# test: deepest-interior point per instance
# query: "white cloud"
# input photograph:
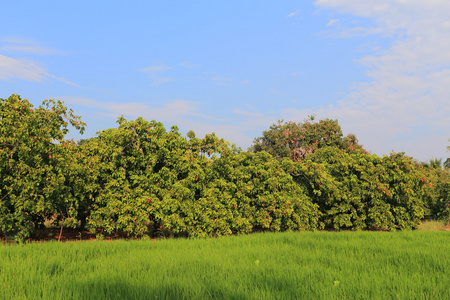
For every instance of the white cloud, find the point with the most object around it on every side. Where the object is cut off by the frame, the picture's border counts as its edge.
(292, 14)
(21, 68)
(169, 111)
(247, 113)
(219, 80)
(185, 114)
(21, 45)
(24, 68)
(154, 69)
(62, 79)
(189, 65)
(332, 22)
(407, 100)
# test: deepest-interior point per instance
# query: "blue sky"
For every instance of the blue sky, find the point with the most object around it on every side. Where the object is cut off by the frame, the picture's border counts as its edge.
(381, 67)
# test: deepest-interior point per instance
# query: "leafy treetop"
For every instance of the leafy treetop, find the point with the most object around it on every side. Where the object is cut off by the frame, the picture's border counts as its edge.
(297, 140)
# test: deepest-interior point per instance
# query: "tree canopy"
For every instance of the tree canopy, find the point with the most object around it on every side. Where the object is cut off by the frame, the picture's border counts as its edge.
(32, 148)
(297, 140)
(143, 180)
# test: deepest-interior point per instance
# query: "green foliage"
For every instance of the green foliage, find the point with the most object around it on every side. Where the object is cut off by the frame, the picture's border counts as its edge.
(153, 181)
(436, 192)
(141, 179)
(32, 148)
(447, 162)
(359, 191)
(434, 163)
(297, 140)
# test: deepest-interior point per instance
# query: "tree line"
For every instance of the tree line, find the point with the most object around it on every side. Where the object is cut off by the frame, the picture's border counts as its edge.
(144, 180)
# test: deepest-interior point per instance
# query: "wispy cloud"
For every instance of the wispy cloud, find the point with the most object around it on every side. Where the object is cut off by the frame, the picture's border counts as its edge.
(155, 69)
(189, 65)
(11, 68)
(187, 115)
(247, 113)
(167, 111)
(22, 45)
(332, 22)
(292, 14)
(406, 100)
(219, 80)
(62, 79)
(24, 68)
(154, 73)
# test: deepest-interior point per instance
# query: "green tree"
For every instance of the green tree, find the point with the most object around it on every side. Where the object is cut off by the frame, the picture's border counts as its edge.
(153, 181)
(447, 162)
(31, 146)
(360, 191)
(433, 163)
(436, 191)
(297, 140)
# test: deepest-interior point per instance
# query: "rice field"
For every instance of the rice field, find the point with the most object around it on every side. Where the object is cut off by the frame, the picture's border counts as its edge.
(310, 265)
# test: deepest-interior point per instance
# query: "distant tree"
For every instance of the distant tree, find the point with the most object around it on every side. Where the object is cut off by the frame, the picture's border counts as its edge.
(447, 162)
(433, 163)
(297, 140)
(82, 142)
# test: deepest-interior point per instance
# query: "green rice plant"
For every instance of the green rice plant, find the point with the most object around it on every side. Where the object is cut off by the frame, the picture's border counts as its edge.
(311, 265)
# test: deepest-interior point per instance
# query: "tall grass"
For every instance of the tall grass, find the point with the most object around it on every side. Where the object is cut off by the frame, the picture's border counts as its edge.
(313, 265)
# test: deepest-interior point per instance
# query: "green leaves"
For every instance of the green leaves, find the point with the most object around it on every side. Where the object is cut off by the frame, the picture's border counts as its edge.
(32, 153)
(360, 191)
(141, 179)
(297, 140)
(196, 187)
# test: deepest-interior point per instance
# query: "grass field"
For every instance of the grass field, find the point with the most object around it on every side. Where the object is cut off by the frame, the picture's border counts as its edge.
(311, 265)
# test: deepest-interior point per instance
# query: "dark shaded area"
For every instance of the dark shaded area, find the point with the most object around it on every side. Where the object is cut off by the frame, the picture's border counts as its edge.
(68, 235)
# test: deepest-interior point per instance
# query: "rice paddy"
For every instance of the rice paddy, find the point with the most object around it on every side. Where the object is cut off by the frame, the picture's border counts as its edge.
(310, 265)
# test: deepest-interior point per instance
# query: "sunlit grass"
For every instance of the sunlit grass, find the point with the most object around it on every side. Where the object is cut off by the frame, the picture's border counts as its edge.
(313, 265)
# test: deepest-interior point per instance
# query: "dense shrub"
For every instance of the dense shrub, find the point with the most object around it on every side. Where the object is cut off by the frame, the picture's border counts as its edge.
(141, 179)
(360, 191)
(153, 181)
(32, 179)
(436, 192)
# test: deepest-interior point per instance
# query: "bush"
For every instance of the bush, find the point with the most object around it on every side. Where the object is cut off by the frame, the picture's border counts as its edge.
(359, 191)
(155, 182)
(32, 181)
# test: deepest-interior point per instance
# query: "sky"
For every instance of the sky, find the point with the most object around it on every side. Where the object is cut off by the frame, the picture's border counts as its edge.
(380, 67)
